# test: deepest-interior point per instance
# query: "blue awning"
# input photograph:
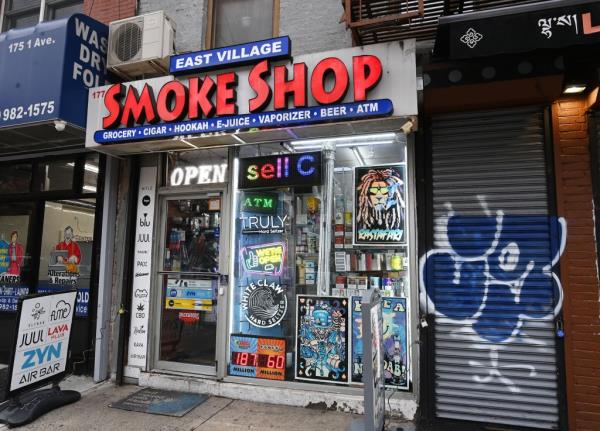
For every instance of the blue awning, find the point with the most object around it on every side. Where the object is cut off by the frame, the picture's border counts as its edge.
(45, 73)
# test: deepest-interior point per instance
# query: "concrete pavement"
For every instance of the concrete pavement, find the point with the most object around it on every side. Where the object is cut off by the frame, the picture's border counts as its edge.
(92, 413)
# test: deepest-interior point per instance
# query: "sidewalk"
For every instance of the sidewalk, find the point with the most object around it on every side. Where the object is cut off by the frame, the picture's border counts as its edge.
(92, 413)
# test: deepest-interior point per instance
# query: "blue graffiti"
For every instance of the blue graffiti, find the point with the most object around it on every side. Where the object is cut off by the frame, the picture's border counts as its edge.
(495, 272)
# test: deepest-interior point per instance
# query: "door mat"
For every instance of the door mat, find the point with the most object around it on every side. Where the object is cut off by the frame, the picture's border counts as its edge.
(159, 402)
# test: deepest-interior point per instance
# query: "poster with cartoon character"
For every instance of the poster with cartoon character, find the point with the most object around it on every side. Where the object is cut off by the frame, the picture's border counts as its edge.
(395, 346)
(13, 260)
(322, 339)
(379, 205)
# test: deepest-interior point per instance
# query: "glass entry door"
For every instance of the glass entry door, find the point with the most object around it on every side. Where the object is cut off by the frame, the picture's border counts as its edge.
(189, 277)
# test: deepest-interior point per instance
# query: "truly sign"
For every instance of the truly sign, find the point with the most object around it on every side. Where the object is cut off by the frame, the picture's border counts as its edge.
(354, 83)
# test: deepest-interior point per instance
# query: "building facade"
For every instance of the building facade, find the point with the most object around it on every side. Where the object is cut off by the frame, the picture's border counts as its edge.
(232, 255)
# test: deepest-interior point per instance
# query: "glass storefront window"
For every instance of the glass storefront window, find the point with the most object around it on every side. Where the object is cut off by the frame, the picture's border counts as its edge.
(15, 256)
(189, 280)
(66, 253)
(280, 240)
(15, 178)
(241, 21)
(56, 175)
(91, 168)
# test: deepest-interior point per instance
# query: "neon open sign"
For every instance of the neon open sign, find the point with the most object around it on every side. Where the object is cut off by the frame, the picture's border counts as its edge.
(302, 169)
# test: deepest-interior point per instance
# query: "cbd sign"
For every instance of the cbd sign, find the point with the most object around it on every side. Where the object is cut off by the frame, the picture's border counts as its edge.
(208, 97)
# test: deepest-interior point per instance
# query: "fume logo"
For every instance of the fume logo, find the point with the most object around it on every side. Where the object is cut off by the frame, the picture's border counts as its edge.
(62, 310)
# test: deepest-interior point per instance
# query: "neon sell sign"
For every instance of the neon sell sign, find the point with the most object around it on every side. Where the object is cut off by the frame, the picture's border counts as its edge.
(296, 169)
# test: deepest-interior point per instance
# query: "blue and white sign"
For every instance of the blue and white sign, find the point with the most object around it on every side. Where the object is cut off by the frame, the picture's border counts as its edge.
(46, 70)
(276, 48)
(43, 335)
(290, 117)
(9, 296)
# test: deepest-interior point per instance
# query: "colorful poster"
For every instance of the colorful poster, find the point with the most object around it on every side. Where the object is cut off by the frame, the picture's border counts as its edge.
(395, 346)
(379, 205)
(259, 357)
(11, 259)
(63, 267)
(264, 259)
(322, 339)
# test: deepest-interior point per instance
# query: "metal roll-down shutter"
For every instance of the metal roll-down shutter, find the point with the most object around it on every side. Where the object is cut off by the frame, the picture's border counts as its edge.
(488, 275)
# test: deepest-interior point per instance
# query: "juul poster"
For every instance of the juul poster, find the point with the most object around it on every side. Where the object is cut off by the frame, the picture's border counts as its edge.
(380, 205)
(322, 339)
(395, 347)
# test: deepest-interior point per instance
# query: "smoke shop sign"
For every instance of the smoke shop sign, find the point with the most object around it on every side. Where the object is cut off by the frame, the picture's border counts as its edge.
(349, 84)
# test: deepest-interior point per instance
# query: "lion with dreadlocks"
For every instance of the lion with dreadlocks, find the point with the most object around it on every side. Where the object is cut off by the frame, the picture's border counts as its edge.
(380, 205)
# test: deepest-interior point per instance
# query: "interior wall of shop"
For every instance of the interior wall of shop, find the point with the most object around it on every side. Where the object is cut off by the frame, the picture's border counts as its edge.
(579, 264)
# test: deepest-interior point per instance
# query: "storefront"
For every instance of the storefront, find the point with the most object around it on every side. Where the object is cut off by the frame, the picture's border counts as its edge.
(508, 201)
(277, 194)
(50, 187)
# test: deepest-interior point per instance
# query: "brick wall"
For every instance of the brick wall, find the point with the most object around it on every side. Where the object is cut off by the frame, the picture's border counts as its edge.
(578, 268)
(109, 10)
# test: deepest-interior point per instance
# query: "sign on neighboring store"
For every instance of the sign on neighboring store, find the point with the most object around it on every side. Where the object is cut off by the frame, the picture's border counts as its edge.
(42, 344)
(341, 85)
(138, 337)
(62, 59)
(537, 27)
(259, 357)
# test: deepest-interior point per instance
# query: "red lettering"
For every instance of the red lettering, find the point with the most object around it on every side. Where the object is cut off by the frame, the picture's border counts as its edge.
(284, 87)
(226, 94)
(367, 72)
(588, 28)
(267, 171)
(171, 101)
(258, 82)
(139, 109)
(324, 68)
(200, 94)
(112, 101)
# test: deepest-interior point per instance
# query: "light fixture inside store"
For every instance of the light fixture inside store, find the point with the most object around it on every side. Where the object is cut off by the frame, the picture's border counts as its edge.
(575, 89)
(346, 141)
(91, 189)
(358, 156)
(90, 168)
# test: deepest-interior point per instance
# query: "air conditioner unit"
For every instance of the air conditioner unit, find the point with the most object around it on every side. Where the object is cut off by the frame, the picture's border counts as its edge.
(141, 45)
